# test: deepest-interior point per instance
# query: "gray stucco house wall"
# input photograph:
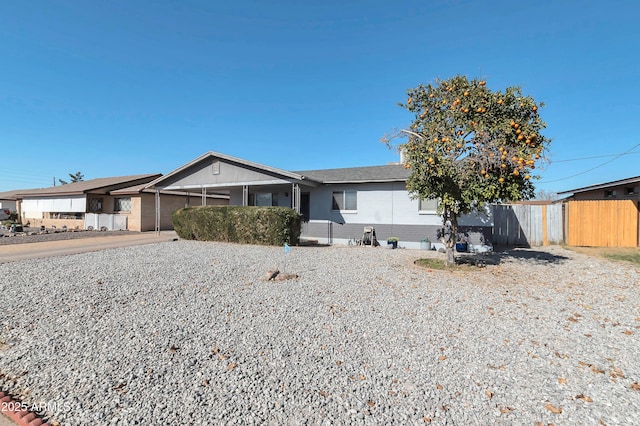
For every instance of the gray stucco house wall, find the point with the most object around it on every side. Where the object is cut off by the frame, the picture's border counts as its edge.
(336, 203)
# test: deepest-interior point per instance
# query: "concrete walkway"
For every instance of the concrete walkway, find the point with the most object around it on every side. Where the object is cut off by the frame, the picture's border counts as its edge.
(16, 252)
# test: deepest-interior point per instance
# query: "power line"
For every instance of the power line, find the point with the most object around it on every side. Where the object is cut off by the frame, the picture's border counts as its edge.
(593, 168)
(595, 156)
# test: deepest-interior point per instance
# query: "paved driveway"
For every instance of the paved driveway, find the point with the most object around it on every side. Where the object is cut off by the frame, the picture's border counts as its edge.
(16, 252)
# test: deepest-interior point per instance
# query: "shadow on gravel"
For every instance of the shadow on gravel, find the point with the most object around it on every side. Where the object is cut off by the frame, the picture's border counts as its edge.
(495, 258)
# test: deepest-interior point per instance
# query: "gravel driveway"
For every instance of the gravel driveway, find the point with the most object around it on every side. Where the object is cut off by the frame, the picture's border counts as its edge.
(188, 333)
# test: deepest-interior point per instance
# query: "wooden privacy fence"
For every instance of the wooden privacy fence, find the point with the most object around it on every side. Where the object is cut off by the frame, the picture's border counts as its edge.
(603, 223)
(526, 225)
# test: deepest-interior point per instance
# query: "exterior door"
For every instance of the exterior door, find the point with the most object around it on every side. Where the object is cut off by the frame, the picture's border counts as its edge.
(304, 206)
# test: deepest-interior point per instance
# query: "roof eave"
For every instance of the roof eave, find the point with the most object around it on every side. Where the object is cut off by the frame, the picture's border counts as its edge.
(333, 182)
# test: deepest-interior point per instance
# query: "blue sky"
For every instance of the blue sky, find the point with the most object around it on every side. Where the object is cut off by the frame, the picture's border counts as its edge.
(129, 87)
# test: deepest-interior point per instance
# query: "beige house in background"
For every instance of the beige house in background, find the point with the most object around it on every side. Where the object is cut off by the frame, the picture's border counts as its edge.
(121, 200)
(8, 200)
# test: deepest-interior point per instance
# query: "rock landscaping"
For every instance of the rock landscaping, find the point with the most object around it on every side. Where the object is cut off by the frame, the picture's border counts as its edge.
(193, 333)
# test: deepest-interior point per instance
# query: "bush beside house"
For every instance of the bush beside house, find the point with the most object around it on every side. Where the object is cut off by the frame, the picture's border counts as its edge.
(238, 224)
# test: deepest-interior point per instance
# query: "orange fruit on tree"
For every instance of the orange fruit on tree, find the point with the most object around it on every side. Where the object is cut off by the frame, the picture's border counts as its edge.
(482, 83)
(499, 101)
(501, 180)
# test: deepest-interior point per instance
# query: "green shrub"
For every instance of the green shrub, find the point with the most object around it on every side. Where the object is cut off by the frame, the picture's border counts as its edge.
(238, 224)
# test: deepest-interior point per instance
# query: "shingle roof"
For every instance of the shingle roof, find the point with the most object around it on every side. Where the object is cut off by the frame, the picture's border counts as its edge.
(387, 173)
(101, 185)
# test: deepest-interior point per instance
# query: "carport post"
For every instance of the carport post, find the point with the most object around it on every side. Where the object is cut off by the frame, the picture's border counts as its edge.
(295, 197)
(157, 212)
(245, 195)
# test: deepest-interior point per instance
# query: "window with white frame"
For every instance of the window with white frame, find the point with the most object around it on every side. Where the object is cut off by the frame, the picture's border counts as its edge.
(122, 204)
(428, 206)
(344, 201)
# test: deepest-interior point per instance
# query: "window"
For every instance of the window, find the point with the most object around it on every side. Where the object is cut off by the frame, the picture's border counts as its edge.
(428, 206)
(267, 199)
(95, 205)
(122, 204)
(345, 201)
(609, 193)
(631, 191)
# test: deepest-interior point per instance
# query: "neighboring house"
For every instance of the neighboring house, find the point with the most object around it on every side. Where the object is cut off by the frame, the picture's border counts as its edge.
(8, 200)
(336, 204)
(605, 215)
(123, 198)
(624, 189)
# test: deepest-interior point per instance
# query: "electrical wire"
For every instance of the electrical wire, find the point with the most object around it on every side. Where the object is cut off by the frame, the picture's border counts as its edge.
(595, 156)
(593, 168)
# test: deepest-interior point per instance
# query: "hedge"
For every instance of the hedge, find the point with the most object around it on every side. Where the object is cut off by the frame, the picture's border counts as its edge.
(238, 224)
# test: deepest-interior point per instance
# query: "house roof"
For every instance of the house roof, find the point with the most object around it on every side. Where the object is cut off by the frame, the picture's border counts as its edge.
(99, 185)
(213, 154)
(386, 173)
(11, 195)
(620, 182)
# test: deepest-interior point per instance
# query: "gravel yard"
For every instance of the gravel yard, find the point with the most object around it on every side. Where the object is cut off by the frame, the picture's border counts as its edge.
(33, 235)
(189, 333)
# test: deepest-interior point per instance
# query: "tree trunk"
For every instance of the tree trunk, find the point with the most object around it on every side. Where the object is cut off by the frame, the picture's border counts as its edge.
(450, 222)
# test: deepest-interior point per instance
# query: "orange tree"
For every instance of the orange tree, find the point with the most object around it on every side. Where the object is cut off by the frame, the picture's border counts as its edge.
(468, 145)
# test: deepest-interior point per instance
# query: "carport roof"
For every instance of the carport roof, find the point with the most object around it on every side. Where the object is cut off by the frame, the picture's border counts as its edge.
(137, 189)
(98, 185)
